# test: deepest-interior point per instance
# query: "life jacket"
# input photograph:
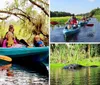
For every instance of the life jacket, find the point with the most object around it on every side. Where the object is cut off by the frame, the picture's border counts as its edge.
(5, 42)
(73, 21)
(84, 19)
(39, 44)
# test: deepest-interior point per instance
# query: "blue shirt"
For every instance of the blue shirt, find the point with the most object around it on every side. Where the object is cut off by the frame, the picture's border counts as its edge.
(37, 44)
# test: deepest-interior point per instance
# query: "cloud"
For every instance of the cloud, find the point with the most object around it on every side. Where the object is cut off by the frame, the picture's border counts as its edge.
(91, 0)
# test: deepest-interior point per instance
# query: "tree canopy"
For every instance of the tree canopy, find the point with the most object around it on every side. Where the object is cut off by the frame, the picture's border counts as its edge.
(32, 17)
(59, 14)
(95, 11)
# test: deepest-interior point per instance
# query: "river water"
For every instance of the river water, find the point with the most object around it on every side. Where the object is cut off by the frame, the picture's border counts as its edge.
(84, 76)
(22, 76)
(86, 34)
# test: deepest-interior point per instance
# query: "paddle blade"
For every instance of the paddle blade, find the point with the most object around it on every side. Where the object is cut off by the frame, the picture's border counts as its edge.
(90, 25)
(53, 23)
(5, 58)
(5, 67)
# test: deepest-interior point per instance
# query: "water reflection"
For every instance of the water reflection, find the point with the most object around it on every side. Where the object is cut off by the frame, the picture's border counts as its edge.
(86, 34)
(84, 76)
(6, 70)
(18, 75)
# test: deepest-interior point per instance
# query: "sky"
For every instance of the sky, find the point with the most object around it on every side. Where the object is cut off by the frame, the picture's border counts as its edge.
(74, 6)
(3, 3)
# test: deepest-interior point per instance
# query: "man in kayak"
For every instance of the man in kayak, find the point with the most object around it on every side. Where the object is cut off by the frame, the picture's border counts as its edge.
(72, 23)
(84, 19)
(38, 41)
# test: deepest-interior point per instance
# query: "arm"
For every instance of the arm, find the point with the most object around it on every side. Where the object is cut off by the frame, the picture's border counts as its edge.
(68, 21)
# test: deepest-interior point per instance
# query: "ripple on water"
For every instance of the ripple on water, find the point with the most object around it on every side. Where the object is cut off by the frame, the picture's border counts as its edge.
(84, 76)
(22, 77)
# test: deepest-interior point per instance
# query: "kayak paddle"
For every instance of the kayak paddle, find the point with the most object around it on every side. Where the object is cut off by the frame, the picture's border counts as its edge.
(90, 25)
(5, 58)
(54, 23)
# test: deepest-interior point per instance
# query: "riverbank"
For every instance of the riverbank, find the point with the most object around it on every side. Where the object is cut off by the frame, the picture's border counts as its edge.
(63, 20)
(85, 62)
(59, 65)
(97, 17)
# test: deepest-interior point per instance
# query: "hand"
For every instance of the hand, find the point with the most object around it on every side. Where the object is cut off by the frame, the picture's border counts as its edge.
(66, 23)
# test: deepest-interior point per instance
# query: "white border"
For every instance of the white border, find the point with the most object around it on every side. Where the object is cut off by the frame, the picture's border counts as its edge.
(49, 42)
(75, 42)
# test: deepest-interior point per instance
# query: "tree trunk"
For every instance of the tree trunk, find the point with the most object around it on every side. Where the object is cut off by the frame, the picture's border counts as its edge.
(87, 49)
(52, 47)
(88, 53)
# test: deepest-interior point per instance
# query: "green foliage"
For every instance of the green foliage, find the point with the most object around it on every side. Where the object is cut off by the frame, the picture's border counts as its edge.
(95, 11)
(62, 17)
(75, 53)
(95, 50)
(26, 27)
(29, 10)
(16, 3)
(98, 17)
(63, 20)
(59, 14)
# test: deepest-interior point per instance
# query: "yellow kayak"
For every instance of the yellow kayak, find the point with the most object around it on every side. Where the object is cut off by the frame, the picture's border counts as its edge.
(5, 58)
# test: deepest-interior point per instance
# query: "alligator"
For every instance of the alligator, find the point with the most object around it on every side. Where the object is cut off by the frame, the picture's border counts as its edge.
(76, 66)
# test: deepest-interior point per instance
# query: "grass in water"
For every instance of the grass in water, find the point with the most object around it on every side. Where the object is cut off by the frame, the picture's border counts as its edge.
(63, 20)
(75, 54)
(84, 62)
(98, 17)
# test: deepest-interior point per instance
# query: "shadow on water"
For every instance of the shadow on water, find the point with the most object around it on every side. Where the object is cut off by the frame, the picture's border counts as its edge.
(86, 34)
(84, 76)
(27, 62)
(29, 65)
(71, 38)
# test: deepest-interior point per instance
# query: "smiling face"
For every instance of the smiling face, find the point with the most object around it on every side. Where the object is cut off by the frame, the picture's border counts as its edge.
(37, 38)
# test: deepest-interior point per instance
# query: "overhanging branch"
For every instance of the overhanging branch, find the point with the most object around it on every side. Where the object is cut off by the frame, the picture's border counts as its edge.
(44, 2)
(4, 18)
(11, 13)
(17, 14)
(33, 2)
